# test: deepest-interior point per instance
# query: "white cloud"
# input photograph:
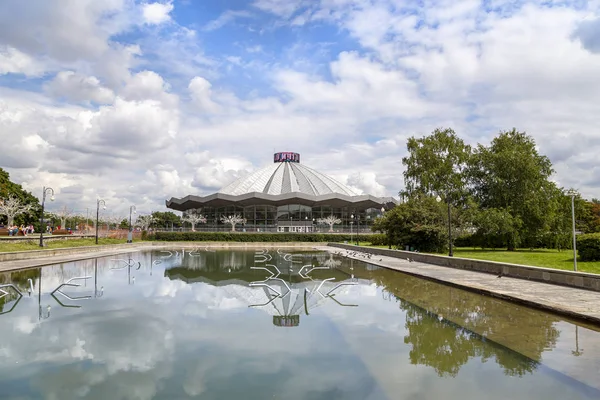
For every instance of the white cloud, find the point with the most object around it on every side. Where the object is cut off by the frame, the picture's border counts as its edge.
(158, 115)
(225, 18)
(157, 13)
(16, 62)
(79, 88)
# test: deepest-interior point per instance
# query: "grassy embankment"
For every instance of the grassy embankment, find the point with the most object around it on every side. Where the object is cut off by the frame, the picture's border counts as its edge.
(33, 244)
(547, 258)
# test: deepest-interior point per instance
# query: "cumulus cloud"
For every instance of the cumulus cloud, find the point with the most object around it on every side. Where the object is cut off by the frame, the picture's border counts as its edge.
(138, 113)
(79, 88)
(588, 33)
(13, 61)
(157, 13)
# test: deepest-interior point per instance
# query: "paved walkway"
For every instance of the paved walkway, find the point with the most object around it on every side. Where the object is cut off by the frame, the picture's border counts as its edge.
(6, 266)
(577, 303)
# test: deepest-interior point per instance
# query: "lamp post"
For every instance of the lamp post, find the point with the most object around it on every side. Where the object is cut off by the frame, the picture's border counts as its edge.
(357, 228)
(438, 199)
(44, 191)
(573, 193)
(98, 202)
(130, 234)
(351, 222)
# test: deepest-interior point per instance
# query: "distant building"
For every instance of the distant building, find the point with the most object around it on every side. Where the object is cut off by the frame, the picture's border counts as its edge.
(286, 196)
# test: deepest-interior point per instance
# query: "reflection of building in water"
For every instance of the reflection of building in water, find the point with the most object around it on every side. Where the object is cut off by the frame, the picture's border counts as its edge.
(284, 296)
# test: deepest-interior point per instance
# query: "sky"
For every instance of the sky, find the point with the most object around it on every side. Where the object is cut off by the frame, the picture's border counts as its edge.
(135, 102)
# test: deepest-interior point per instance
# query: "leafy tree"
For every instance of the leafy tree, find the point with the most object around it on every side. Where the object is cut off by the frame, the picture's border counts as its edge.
(166, 219)
(511, 176)
(124, 224)
(9, 188)
(418, 223)
(436, 165)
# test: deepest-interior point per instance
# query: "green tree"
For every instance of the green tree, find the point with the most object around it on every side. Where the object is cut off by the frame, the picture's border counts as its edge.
(166, 219)
(9, 188)
(417, 223)
(511, 176)
(436, 165)
(124, 224)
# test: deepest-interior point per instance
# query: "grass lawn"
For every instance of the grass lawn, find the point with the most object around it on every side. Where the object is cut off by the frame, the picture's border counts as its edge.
(33, 244)
(538, 258)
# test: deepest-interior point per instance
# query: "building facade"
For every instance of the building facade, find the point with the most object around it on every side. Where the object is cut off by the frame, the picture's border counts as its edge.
(285, 196)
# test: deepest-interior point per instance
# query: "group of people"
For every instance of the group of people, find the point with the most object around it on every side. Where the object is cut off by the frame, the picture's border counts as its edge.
(15, 230)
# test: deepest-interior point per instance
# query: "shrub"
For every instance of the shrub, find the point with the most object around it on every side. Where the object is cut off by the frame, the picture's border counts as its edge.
(588, 247)
(378, 239)
(259, 237)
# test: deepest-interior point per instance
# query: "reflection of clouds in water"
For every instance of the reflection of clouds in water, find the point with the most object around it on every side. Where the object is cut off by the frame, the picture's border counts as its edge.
(24, 324)
(140, 344)
(126, 348)
(96, 382)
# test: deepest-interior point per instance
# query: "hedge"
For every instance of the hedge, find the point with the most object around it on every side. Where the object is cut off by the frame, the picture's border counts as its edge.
(263, 237)
(588, 247)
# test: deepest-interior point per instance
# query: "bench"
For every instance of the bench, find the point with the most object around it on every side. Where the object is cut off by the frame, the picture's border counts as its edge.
(4, 232)
(61, 232)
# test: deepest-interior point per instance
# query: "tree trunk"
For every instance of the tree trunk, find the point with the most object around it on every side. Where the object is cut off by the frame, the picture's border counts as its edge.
(330, 227)
(11, 219)
(63, 222)
(193, 226)
(232, 227)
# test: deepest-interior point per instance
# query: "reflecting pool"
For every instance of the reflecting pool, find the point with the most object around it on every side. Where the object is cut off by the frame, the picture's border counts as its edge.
(264, 324)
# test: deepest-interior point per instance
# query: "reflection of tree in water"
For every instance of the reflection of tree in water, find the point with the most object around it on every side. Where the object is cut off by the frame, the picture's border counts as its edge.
(448, 326)
(437, 344)
(20, 280)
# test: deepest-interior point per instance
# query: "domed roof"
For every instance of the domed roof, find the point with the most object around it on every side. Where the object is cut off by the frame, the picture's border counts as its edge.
(283, 177)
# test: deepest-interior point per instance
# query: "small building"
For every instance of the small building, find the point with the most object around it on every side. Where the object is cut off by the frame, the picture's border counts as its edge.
(286, 196)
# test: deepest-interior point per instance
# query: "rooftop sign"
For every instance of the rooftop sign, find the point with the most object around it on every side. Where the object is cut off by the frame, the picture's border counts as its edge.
(286, 156)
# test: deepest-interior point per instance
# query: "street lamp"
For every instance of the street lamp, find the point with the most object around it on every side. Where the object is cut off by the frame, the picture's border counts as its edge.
(357, 229)
(44, 191)
(130, 235)
(573, 193)
(351, 222)
(98, 202)
(438, 199)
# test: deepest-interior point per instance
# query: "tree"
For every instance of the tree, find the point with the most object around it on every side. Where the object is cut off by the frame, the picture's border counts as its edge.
(166, 219)
(13, 206)
(193, 218)
(330, 220)
(233, 220)
(63, 213)
(418, 223)
(144, 221)
(511, 175)
(124, 224)
(436, 165)
(9, 188)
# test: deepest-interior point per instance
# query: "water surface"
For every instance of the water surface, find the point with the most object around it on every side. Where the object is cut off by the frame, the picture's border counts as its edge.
(180, 324)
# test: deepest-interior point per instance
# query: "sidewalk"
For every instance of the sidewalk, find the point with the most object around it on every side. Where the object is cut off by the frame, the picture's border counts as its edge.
(572, 302)
(13, 265)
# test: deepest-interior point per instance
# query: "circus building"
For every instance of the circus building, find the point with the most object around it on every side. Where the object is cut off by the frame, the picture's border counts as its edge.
(286, 196)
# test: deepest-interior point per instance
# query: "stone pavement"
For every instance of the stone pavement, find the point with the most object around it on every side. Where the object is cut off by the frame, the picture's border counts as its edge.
(6, 266)
(575, 303)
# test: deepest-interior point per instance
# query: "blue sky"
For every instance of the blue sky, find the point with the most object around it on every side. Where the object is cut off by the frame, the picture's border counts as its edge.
(137, 101)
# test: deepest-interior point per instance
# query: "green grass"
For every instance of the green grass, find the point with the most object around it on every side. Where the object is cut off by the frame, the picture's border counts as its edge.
(33, 244)
(547, 258)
